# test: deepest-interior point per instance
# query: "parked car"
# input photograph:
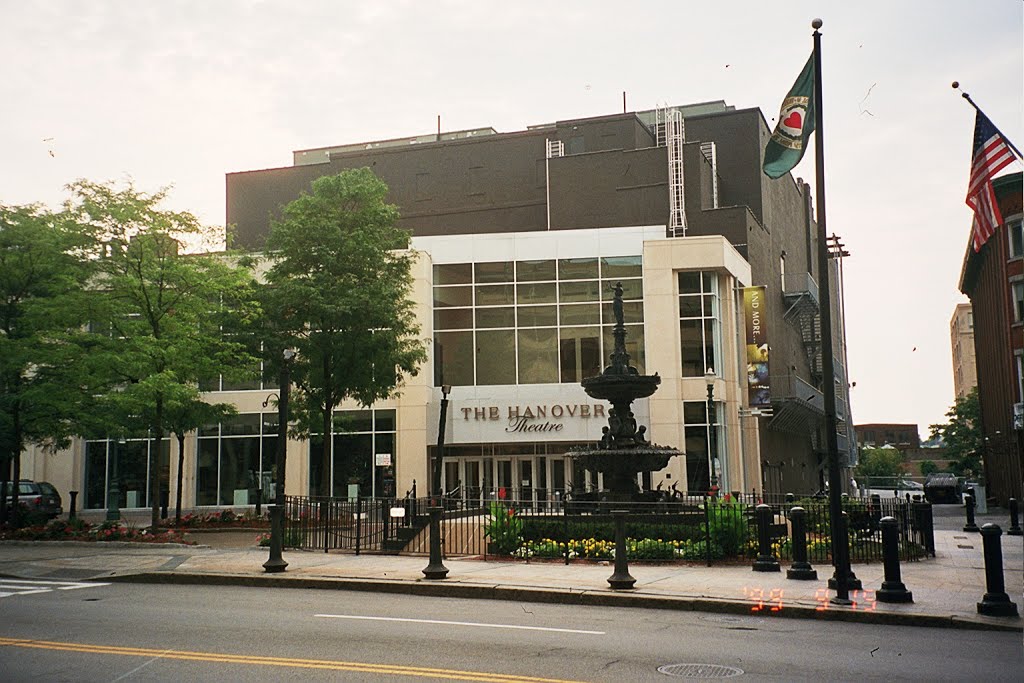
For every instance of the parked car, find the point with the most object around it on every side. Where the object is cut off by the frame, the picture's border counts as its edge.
(38, 498)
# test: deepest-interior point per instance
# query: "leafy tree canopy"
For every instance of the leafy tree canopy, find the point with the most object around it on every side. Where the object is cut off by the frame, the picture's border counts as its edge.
(338, 292)
(879, 462)
(962, 435)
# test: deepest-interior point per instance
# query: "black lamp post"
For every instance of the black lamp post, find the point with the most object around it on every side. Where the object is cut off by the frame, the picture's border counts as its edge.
(435, 478)
(114, 494)
(709, 378)
(276, 562)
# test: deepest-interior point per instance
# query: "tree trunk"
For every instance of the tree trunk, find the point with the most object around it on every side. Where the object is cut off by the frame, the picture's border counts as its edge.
(181, 467)
(154, 465)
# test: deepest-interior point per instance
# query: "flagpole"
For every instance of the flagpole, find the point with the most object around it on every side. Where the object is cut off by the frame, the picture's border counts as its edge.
(840, 547)
(956, 86)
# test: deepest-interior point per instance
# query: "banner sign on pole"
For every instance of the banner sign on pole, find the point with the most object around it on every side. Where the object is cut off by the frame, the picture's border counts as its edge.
(756, 321)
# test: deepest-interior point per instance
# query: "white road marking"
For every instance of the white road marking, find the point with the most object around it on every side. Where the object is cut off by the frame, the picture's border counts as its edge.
(460, 623)
(12, 587)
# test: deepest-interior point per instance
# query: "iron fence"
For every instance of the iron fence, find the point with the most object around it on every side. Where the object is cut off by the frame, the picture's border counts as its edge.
(680, 527)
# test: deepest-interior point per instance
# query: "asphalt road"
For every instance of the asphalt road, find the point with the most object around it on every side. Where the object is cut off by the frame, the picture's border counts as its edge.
(131, 632)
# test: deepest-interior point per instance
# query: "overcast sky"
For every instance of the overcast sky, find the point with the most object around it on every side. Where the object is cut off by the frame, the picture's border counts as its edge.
(180, 93)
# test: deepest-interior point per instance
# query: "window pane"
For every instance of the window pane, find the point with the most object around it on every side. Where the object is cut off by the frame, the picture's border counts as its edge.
(710, 306)
(210, 384)
(691, 346)
(493, 272)
(241, 425)
(689, 282)
(588, 290)
(384, 420)
(709, 346)
(577, 269)
(495, 357)
(496, 317)
(538, 356)
(247, 384)
(537, 316)
(453, 358)
(698, 477)
(270, 423)
(695, 412)
(710, 281)
(620, 266)
(95, 475)
(689, 307)
(495, 295)
(453, 274)
(579, 353)
(634, 344)
(536, 293)
(453, 319)
(239, 463)
(206, 473)
(347, 421)
(453, 296)
(580, 314)
(535, 270)
(631, 289)
(632, 312)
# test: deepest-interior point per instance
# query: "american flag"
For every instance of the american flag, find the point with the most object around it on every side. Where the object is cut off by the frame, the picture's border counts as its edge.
(991, 155)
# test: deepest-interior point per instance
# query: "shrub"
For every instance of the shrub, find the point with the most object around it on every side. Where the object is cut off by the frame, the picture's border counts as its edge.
(729, 527)
(504, 529)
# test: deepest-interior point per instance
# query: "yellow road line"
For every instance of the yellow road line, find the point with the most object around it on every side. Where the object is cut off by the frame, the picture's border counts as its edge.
(224, 658)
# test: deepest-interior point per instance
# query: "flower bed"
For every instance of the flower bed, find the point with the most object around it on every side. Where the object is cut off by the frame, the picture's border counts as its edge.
(223, 519)
(78, 530)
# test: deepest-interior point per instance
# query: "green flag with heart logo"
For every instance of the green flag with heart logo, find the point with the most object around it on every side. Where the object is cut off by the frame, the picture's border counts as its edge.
(786, 147)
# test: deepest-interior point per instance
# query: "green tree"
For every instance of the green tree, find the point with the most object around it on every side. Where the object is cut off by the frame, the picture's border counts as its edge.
(188, 415)
(161, 314)
(928, 467)
(338, 293)
(43, 271)
(876, 463)
(962, 435)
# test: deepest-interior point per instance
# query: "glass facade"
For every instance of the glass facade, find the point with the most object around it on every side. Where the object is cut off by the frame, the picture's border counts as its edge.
(700, 322)
(532, 322)
(362, 453)
(698, 434)
(128, 462)
(235, 458)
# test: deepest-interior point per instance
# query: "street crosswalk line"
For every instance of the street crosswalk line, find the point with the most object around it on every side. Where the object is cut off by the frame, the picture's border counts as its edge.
(13, 587)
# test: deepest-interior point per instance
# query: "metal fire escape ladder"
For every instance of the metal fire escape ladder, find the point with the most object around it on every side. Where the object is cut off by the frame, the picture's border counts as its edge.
(554, 148)
(801, 297)
(670, 133)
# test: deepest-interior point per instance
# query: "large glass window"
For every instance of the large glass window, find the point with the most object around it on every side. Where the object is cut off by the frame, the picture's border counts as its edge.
(1018, 301)
(127, 461)
(362, 454)
(1015, 235)
(700, 322)
(699, 435)
(235, 459)
(533, 322)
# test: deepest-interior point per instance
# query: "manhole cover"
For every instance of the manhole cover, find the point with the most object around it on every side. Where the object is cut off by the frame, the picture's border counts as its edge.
(700, 670)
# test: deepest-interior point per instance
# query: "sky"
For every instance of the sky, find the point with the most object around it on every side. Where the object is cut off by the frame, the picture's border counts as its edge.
(179, 93)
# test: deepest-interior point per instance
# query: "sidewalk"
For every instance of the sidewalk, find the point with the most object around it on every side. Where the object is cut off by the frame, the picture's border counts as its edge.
(945, 589)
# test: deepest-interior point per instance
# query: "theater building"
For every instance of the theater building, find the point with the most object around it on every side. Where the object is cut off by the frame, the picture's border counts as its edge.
(520, 238)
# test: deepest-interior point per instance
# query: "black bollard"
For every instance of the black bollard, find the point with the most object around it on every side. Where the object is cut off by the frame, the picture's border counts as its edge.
(276, 563)
(852, 582)
(74, 496)
(969, 504)
(801, 569)
(892, 589)
(790, 498)
(766, 561)
(620, 579)
(1014, 529)
(996, 602)
(925, 525)
(436, 569)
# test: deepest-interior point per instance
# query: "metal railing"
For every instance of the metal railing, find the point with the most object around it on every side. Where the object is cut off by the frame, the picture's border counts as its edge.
(677, 527)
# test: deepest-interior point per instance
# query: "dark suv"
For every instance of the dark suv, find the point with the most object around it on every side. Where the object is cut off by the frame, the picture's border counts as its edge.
(38, 498)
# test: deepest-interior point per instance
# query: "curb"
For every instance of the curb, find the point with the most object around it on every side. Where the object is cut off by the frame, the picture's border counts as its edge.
(591, 598)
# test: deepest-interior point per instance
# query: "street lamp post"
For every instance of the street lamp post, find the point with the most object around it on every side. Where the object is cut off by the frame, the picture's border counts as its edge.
(709, 378)
(114, 494)
(435, 479)
(276, 562)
